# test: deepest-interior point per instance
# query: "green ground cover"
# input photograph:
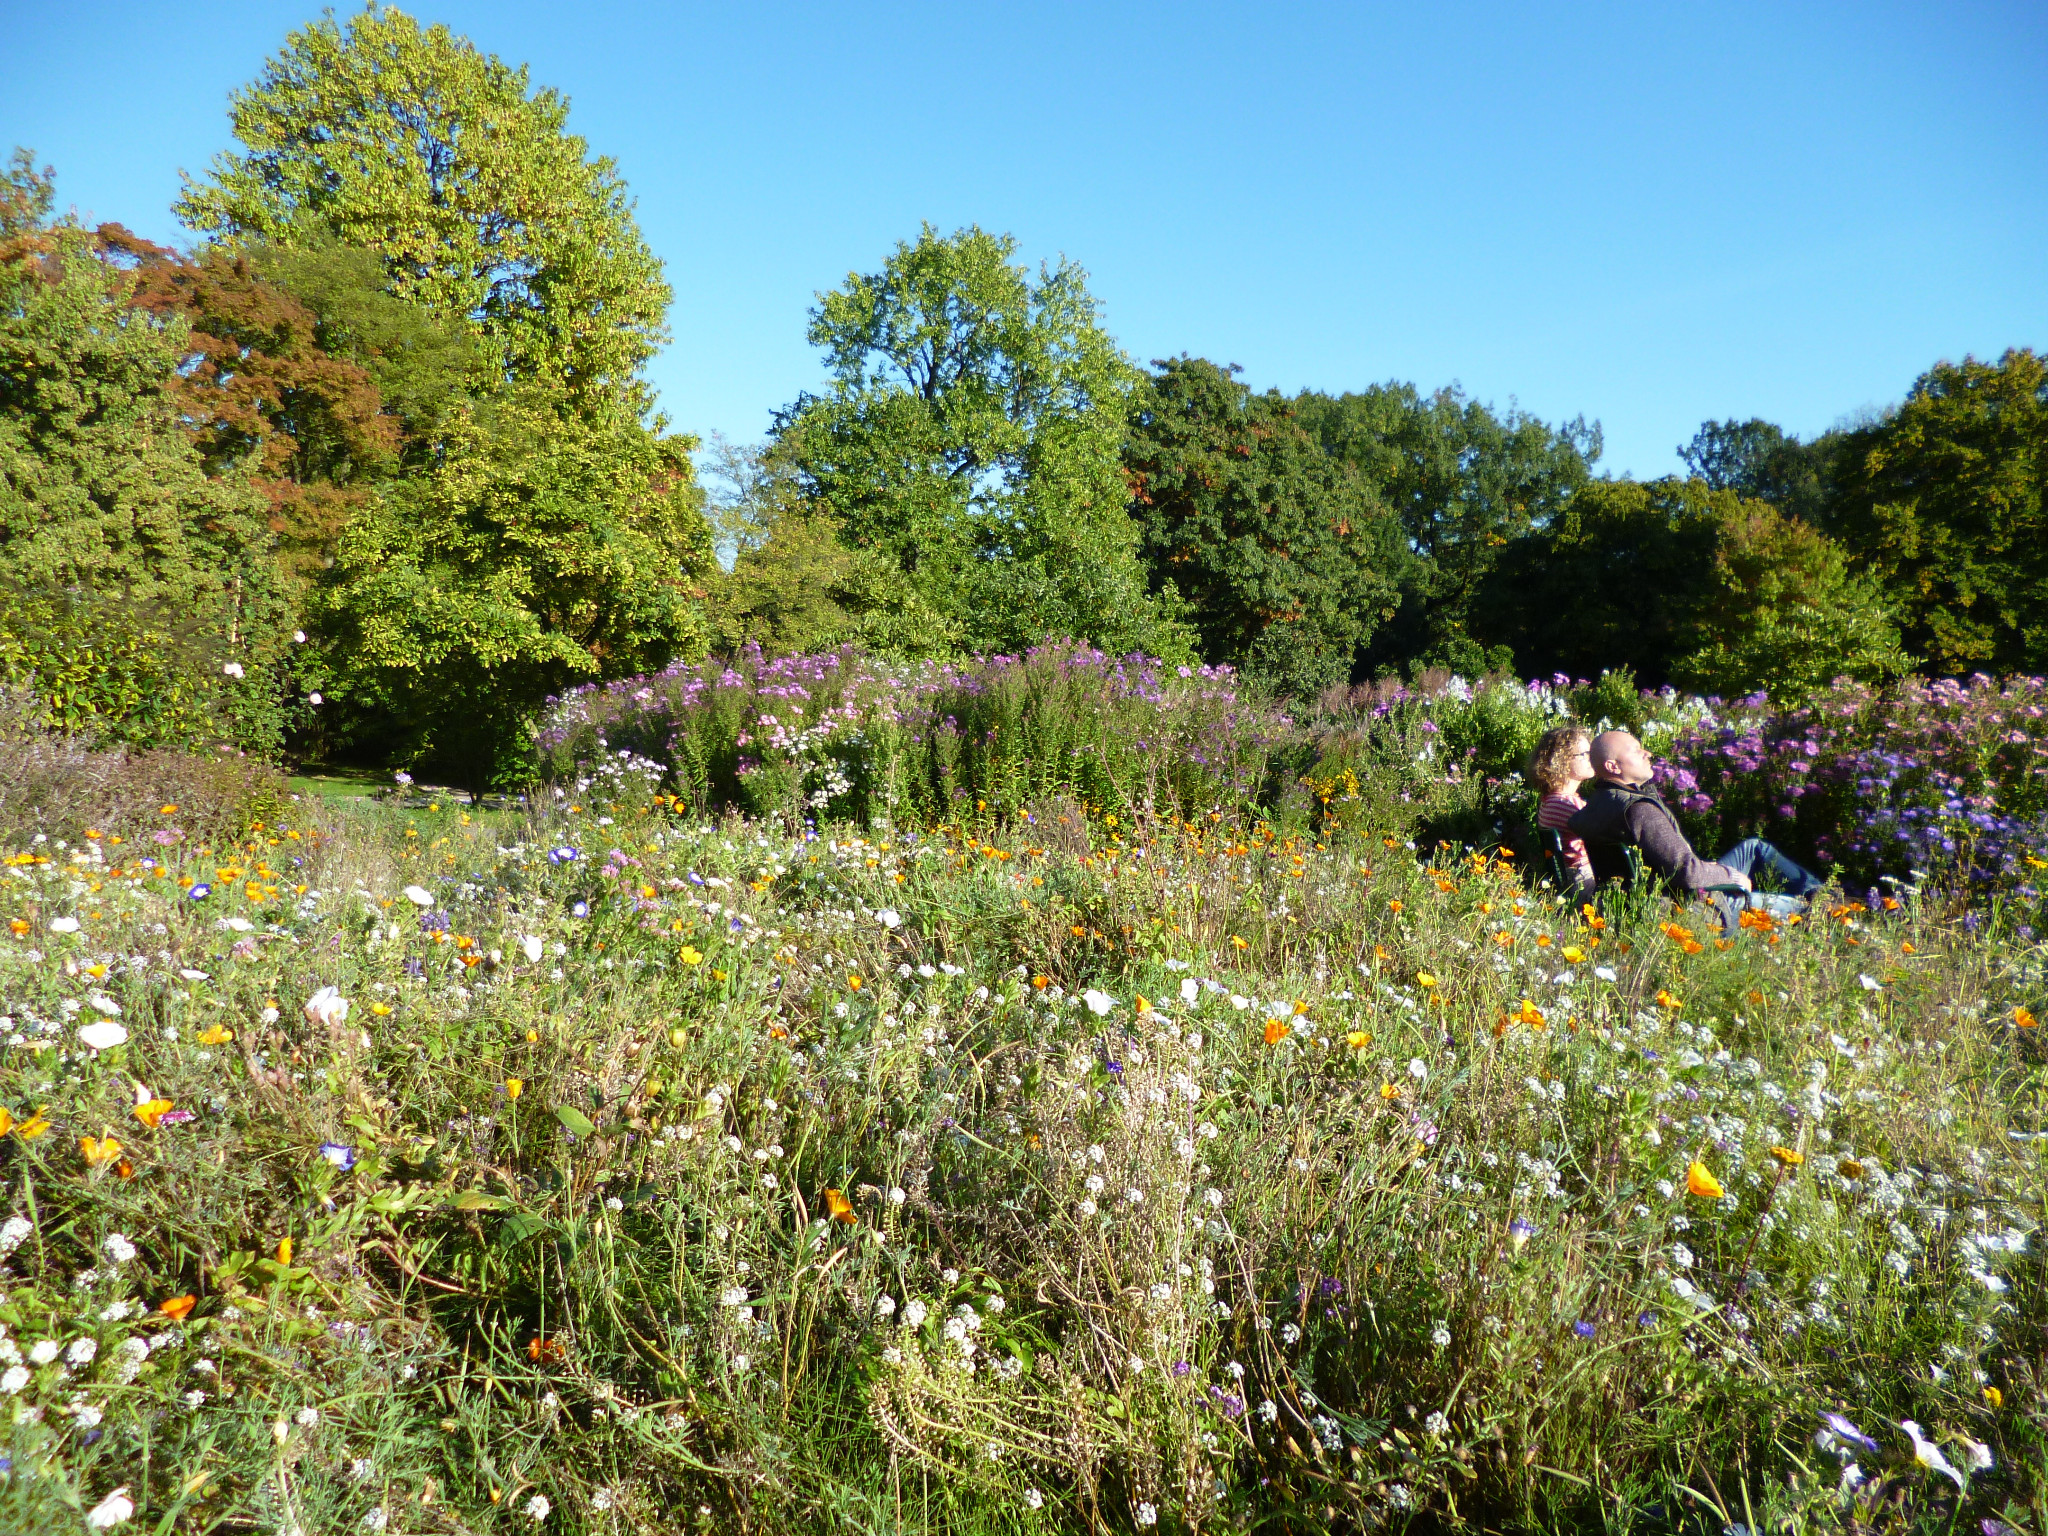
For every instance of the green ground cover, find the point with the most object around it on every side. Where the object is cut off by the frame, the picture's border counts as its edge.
(612, 1168)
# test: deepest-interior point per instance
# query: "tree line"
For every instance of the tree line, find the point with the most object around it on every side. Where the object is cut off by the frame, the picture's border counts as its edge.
(374, 467)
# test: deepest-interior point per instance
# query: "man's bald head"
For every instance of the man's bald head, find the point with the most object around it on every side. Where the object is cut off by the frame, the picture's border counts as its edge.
(1620, 759)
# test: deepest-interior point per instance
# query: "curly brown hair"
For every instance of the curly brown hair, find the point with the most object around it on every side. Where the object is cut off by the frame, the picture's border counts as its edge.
(1550, 759)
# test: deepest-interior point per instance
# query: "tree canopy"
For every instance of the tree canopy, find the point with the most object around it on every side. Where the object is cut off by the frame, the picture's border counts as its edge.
(410, 142)
(971, 435)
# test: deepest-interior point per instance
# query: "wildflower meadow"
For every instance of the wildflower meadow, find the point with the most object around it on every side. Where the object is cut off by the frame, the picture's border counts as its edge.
(1144, 1128)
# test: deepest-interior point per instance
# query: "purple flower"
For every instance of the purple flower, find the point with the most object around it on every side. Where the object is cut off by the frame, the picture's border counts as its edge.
(563, 855)
(581, 909)
(199, 892)
(343, 1157)
(1584, 1329)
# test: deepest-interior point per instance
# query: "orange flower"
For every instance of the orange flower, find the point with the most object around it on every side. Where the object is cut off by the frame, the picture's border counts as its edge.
(1699, 1181)
(178, 1308)
(2024, 1019)
(149, 1111)
(538, 1348)
(840, 1207)
(1144, 1006)
(18, 926)
(1528, 1014)
(1238, 943)
(32, 1127)
(1390, 1090)
(104, 1150)
(1396, 906)
(853, 982)
(1039, 982)
(1276, 1031)
(1666, 1000)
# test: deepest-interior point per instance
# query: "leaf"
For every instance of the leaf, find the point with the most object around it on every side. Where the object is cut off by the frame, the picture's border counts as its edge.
(477, 1200)
(574, 1121)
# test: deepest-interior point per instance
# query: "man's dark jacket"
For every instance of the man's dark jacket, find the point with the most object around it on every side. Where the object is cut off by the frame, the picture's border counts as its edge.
(1635, 813)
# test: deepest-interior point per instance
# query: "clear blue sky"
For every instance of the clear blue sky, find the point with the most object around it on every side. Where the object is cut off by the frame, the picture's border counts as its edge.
(1648, 214)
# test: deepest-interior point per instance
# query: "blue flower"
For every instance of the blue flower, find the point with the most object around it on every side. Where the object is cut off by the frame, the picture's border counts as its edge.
(1644, 1319)
(1520, 1231)
(1848, 1433)
(564, 855)
(581, 909)
(199, 892)
(342, 1157)
(1584, 1329)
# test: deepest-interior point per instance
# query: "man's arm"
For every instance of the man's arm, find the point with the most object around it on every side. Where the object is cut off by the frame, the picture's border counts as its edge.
(1667, 852)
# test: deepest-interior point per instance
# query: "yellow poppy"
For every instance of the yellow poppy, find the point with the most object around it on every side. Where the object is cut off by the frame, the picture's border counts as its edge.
(150, 1111)
(1276, 1031)
(284, 1250)
(104, 1150)
(514, 1087)
(215, 1034)
(2024, 1018)
(1358, 1040)
(1700, 1182)
(840, 1207)
(690, 956)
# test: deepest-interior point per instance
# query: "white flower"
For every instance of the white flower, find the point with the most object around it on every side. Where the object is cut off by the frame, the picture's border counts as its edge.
(889, 917)
(537, 1507)
(376, 1519)
(232, 669)
(1098, 1003)
(44, 1352)
(1086, 1207)
(267, 1016)
(418, 896)
(14, 1380)
(1604, 972)
(115, 1509)
(740, 1363)
(1870, 983)
(105, 1004)
(1436, 1424)
(1977, 1455)
(195, 1400)
(1418, 1069)
(885, 1305)
(13, 1232)
(104, 1035)
(1034, 1498)
(733, 1296)
(63, 925)
(1681, 1255)
(1093, 1183)
(1928, 1454)
(81, 1351)
(316, 700)
(913, 1313)
(298, 637)
(897, 1195)
(119, 1249)
(532, 947)
(1145, 1514)
(306, 1418)
(327, 1007)
(1190, 992)
(1440, 1335)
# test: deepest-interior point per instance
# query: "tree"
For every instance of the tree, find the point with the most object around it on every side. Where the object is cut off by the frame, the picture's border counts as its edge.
(483, 206)
(1760, 460)
(530, 558)
(971, 437)
(1463, 481)
(1285, 558)
(1688, 585)
(112, 535)
(1944, 499)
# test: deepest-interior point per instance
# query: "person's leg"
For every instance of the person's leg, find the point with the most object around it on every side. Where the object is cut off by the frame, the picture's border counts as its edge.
(1753, 856)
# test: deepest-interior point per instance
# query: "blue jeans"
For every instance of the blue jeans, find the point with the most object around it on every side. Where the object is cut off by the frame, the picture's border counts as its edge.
(1753, 857)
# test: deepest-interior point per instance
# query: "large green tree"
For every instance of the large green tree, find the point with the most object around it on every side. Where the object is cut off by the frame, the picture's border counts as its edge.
(1944, 499)
(1287, 561)
(528, 559)
(971, 436)
(1464, 480)
(114, 540)
(1760, 460)
(1688, 585)
(411, 142)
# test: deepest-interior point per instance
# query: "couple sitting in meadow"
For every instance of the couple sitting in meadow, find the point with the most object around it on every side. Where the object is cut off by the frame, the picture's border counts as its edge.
(1624, 810)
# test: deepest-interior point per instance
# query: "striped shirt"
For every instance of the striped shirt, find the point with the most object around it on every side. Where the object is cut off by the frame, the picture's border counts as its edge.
(1554, 814)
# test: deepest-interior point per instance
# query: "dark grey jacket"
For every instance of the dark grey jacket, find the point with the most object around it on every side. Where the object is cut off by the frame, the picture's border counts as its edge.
(1636, 813)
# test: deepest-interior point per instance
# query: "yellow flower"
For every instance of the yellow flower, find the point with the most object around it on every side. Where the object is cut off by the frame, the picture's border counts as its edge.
(690, 956)
(514, 1086)
(6, 1120)
(1390, 1090)
(1574, 954)
(1276, 1031)
(2024, 1019)
(853, 982)
(1424, 979)
(150, 1111)
(381, 1010)
(1144, 1006)
(215, 1034)
(1666, 1000)
(1238, 943)
(284, 1250)
(1994, 1398)
(1699, 1181)
(32, 1127)
(104, 1150)
(1788, 1157)
(840, 1207)
(1358, 1040)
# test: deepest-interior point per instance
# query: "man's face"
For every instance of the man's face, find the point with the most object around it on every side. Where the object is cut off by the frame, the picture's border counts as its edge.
(1617, 755)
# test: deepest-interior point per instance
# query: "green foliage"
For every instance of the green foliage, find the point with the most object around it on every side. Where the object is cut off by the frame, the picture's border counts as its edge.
(1682, 583)
(1944, 500)
(485, 209)
(111, 532)
(540, 552)
(1464, 481)
(1286, 560)
(971, 437)
(1760, 461)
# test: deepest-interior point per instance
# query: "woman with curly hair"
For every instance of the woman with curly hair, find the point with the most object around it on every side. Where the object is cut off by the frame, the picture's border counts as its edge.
(1559, 764)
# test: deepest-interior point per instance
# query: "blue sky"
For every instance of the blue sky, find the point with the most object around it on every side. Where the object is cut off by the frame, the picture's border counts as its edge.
(1648, 214)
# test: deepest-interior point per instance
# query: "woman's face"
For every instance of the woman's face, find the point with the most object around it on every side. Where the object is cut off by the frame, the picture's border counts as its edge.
(1580, 764)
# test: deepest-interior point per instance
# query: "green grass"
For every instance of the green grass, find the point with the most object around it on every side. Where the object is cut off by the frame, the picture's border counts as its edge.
(690, 1222)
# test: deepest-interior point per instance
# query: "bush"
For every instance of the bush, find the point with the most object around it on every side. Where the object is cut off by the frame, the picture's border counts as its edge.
(850, 736)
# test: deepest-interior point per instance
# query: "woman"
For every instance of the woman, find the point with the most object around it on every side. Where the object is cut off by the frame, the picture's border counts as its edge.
(1560, 763)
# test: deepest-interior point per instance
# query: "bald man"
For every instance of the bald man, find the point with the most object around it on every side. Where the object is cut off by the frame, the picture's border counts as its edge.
(1624, 807)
